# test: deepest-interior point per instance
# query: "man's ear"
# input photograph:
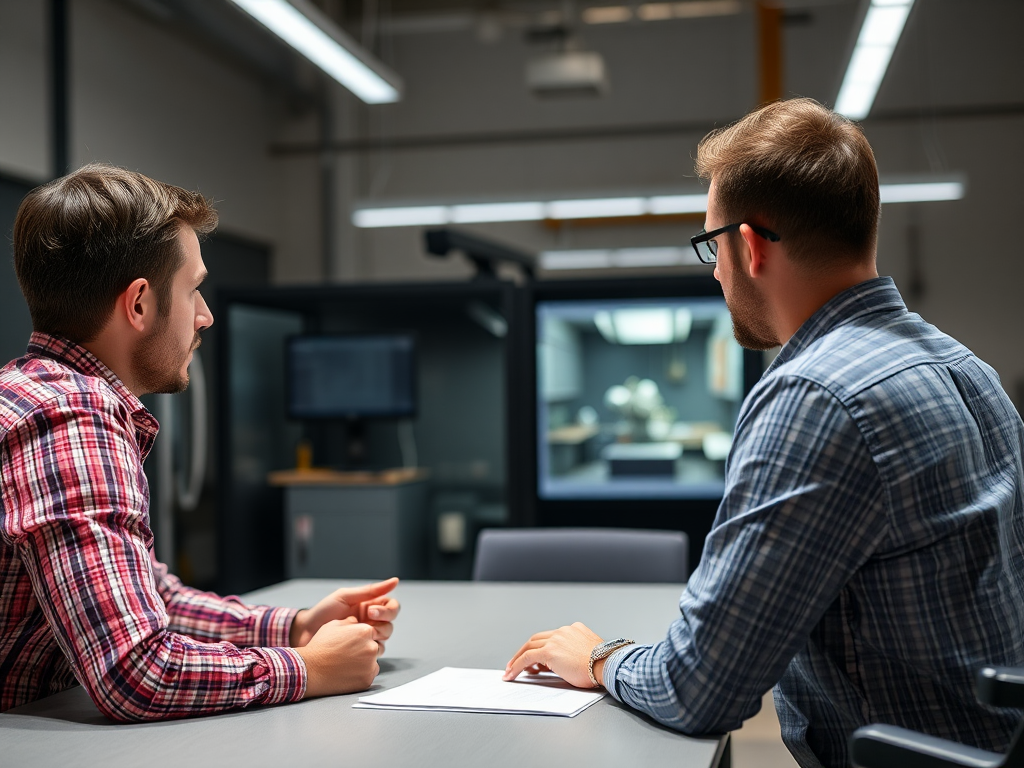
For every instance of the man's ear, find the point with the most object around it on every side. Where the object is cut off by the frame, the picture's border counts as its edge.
(756, 248)
(138, 304)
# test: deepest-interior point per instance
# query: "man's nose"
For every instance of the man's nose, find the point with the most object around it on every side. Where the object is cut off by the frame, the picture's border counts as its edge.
(204, 317)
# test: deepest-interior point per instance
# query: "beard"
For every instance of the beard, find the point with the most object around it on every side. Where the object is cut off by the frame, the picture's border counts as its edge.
(158, 362)
(749, 312)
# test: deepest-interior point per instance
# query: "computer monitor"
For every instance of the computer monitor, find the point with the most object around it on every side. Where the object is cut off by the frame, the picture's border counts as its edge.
(351, 377)
(637, 398)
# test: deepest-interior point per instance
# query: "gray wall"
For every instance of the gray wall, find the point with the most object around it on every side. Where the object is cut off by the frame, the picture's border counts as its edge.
(146, 96)
(15, 323)
(704, 71)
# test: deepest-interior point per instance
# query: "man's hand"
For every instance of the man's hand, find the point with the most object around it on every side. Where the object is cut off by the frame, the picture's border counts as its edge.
(340, 658)
(368, 604)
(565, 651)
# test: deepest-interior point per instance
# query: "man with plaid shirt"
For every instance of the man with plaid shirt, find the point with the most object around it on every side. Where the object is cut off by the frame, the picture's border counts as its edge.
(110, 265)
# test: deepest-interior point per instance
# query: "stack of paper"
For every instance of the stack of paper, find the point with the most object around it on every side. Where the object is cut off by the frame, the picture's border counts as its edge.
(482, 690)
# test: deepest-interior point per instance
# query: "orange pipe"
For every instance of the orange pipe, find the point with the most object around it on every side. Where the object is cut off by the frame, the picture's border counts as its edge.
(769, 27)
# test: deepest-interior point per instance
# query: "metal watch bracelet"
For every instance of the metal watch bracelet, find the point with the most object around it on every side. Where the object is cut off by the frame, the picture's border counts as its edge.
(602, 651)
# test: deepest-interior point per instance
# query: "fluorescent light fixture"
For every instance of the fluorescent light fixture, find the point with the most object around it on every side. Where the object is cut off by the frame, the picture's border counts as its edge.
(651, 325)
(478, 212)
(655, 11)
(696, 8)
(644, 326)
(647, 257)
(684, 323)
(603, 321)
(558, 260)
(882, 25)
(597, 208)
(921, 192)
(678, 204)
(878, 36)
(659, 11)
(401, 217)
(624, 258)
(306, 29)
(607, 14)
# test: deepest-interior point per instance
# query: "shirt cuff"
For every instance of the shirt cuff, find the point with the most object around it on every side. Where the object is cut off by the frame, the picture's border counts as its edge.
(284, 673)
(611, 667)
(273, 625)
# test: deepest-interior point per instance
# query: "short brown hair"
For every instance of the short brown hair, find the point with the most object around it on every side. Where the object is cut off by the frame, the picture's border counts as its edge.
(804, 172)
(80, 240)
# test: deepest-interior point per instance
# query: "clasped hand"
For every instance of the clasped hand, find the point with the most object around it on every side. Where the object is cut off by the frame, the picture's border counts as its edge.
(341, 637)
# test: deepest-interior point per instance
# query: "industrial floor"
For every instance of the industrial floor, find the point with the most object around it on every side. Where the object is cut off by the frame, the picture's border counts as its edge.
(758, 744)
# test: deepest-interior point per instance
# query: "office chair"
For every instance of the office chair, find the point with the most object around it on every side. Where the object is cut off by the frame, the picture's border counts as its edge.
(581, 554)
(886, 746)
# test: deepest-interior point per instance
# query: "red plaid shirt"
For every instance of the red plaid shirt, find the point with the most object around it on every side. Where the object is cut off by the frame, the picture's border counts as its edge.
(81, 595)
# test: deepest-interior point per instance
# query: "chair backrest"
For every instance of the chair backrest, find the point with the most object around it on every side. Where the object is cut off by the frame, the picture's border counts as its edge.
(581, 554)
(889, 746)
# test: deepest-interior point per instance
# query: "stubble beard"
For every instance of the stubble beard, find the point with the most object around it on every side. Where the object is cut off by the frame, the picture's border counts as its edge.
(749, 312)
(159, 362)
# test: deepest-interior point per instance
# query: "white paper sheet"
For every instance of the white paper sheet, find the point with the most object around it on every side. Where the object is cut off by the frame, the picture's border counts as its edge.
(482, 690)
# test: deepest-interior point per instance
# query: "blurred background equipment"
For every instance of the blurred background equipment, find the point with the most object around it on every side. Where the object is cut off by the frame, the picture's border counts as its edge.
(582, 555)
(325, 197)
(180, 456)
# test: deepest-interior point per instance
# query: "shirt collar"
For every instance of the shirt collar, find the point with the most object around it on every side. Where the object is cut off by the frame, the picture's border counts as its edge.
(85, 362)
(878, 294)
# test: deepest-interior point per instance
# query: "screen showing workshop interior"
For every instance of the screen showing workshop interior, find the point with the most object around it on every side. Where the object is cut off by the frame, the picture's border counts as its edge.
(351, 377)
(636, 398)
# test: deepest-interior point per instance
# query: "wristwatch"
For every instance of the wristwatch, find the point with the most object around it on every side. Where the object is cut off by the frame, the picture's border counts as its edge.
(603, 650)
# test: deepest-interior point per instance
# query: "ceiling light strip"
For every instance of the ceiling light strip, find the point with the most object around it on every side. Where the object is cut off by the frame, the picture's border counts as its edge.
(302, 26)
(617, 207)
(660, 11)
(618, 257)
(876, 42)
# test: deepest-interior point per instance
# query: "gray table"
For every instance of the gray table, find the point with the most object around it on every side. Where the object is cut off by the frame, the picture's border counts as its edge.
(442, 624)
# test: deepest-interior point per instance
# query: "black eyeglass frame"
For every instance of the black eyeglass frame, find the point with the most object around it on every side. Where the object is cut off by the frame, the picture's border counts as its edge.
(704, 237)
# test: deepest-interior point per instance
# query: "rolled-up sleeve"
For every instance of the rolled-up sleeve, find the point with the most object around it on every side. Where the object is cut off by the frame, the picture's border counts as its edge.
(794, 524)
(208, 616)
(143, 646)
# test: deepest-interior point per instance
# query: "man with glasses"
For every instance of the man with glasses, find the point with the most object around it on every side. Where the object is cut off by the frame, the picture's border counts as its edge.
(868, 555)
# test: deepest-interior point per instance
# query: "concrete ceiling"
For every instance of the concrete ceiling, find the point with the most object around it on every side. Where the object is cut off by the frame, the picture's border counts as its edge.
(954, 54)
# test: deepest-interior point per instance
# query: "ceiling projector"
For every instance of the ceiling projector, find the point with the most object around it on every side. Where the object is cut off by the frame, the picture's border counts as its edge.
(566, 74)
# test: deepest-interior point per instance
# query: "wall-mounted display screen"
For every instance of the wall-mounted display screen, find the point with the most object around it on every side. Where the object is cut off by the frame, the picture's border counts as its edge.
(351, 377)
(636, 398)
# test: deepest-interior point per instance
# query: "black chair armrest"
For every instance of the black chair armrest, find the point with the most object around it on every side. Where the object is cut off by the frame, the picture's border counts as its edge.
(886, 746)
(1001, 686)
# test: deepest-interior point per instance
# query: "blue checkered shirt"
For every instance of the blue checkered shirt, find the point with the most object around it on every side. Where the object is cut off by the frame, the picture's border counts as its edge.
(868, 554)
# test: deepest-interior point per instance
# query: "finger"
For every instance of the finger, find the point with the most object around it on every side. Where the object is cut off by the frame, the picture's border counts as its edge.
(540, 636)
(353, 595)
(531, 647)
(536, 669)
(385, 610)
(528, 659)
(382, 630)
(380, 649)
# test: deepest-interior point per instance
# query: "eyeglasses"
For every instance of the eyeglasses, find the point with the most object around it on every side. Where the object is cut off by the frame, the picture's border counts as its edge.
(707, 249)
